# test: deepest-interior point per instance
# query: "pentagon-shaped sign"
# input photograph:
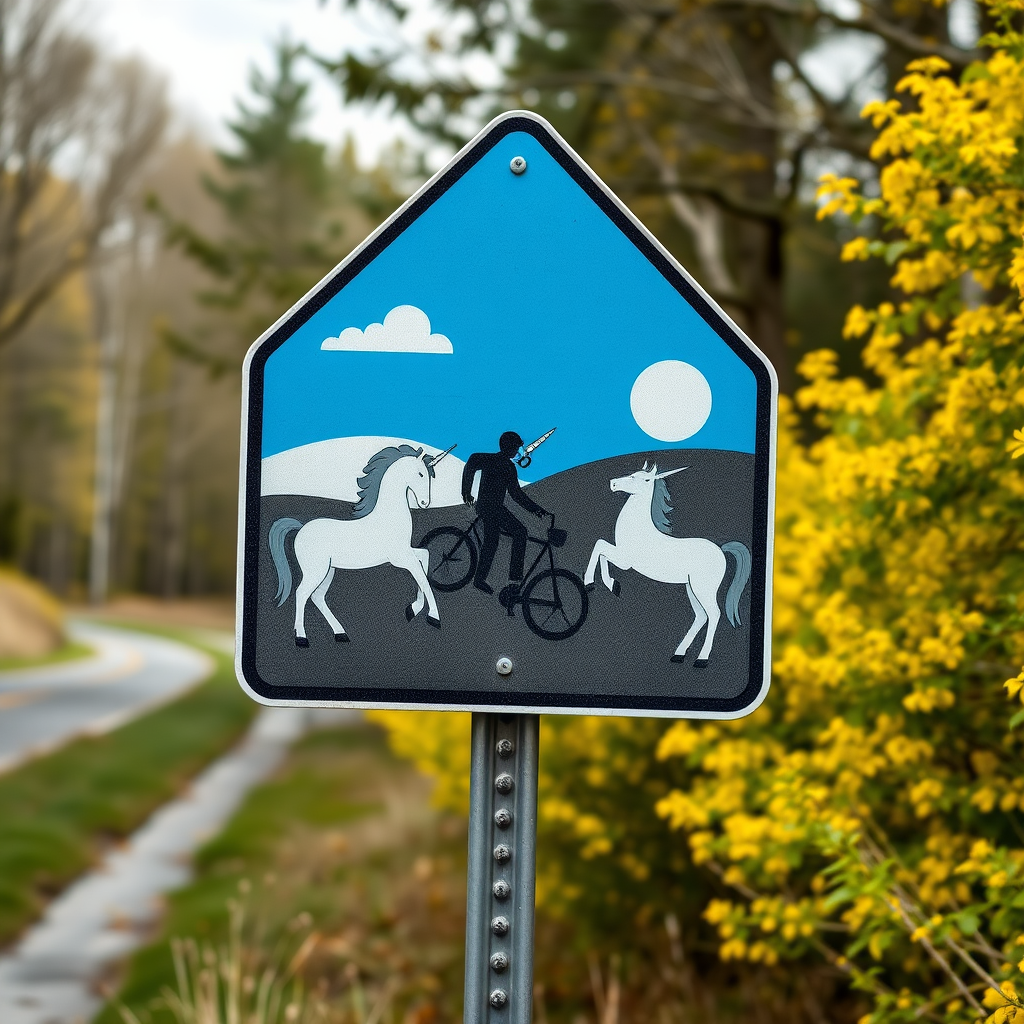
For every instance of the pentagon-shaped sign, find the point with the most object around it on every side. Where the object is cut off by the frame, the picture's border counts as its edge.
(508, 456)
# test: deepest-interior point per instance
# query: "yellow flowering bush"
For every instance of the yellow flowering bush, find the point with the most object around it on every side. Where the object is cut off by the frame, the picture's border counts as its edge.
(869, 818)
(869, 815)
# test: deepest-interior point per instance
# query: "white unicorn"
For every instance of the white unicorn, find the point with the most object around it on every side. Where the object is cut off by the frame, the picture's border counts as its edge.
(379, 532)
(642, 542)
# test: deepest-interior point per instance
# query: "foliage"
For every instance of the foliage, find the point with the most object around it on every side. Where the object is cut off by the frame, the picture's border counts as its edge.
(867, 818)
(47, 427)
(31, 621)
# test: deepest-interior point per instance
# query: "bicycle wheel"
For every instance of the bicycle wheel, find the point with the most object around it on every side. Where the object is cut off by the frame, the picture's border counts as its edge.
(452, 558)
(555, 604)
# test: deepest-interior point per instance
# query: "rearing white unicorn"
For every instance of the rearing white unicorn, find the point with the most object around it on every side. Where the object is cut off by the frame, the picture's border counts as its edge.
(379, 532)
(643, 542)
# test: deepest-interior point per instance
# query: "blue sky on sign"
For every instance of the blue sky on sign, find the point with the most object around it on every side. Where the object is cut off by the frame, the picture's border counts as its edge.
(551, 312)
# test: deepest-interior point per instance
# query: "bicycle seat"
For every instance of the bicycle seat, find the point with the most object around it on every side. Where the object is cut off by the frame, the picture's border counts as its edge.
(556, 537)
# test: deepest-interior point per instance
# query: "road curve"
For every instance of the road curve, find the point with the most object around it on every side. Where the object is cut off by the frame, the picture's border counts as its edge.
(130, 673)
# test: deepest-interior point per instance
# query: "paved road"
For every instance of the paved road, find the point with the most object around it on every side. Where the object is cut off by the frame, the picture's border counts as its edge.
(51, 975)
(42, 708)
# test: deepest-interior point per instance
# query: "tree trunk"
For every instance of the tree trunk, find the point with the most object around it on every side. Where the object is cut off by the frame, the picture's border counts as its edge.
(767, 328)
(174, 512)
(106, 404)
(760, 240)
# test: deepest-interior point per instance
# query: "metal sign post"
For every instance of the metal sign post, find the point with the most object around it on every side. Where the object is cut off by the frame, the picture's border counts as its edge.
(502, 869)
(500, 887)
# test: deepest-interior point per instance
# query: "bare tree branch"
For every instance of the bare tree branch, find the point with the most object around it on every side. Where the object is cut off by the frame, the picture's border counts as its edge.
(61, 106)
(702, 219)
(869, 22)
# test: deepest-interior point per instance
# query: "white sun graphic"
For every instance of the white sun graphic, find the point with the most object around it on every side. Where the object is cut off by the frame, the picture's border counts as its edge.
(670, 400)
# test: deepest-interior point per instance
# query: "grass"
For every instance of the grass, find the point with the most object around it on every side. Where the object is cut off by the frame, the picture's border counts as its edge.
(70, 651)
(340, 855)
(237, 981)
(58, 814)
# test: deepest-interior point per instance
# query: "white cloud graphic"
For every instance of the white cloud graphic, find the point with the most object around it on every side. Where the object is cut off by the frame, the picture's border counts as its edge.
(405, 329)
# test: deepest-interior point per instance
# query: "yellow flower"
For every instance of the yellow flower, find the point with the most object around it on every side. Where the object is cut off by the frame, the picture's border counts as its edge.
(856, 249)
(1016, 446)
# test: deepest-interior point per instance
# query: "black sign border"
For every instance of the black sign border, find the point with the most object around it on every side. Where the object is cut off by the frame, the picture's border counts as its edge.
(481, 699)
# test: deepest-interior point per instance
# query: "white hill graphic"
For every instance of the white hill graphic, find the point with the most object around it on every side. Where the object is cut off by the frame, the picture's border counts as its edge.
(330, 469)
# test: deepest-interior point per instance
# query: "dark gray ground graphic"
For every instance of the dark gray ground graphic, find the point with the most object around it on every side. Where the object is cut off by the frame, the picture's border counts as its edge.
(623, 646)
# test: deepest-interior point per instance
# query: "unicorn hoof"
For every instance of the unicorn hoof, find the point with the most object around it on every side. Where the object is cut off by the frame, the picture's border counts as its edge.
(701, 663)
(616, 588)
(679, 658)
(301, 641)
(590, 586)
(342, 638)
(436, 623)
(409, 613)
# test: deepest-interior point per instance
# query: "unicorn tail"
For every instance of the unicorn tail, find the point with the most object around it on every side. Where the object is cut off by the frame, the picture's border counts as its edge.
(278, 532)
(739, 581)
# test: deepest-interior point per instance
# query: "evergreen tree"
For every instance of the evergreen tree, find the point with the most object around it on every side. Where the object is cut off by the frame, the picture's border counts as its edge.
(289, 214)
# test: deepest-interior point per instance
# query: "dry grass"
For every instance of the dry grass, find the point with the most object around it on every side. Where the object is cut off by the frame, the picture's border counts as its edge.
(343, 849)
(242, 982)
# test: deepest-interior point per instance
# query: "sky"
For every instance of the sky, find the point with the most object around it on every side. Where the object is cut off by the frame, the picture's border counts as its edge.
(541, 314)
(206, 47)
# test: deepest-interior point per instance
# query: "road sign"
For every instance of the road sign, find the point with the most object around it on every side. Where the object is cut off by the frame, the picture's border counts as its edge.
(413, 532)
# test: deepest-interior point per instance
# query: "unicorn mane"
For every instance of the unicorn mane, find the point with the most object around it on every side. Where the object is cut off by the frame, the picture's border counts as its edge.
(373, 474)
(661, 507)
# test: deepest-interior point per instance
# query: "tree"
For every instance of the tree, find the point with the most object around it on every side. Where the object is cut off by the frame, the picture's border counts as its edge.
(61, 106)
(703, 116)
(284, 204)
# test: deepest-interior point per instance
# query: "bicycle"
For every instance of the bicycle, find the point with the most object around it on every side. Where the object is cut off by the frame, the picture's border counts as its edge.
(554, 600)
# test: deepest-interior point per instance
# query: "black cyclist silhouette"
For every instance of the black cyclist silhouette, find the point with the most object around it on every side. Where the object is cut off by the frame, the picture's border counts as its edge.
(498, 480)
(553, 600)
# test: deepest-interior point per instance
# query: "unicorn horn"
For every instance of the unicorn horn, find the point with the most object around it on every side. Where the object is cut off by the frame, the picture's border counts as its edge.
(435, 459)
(671, 472)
